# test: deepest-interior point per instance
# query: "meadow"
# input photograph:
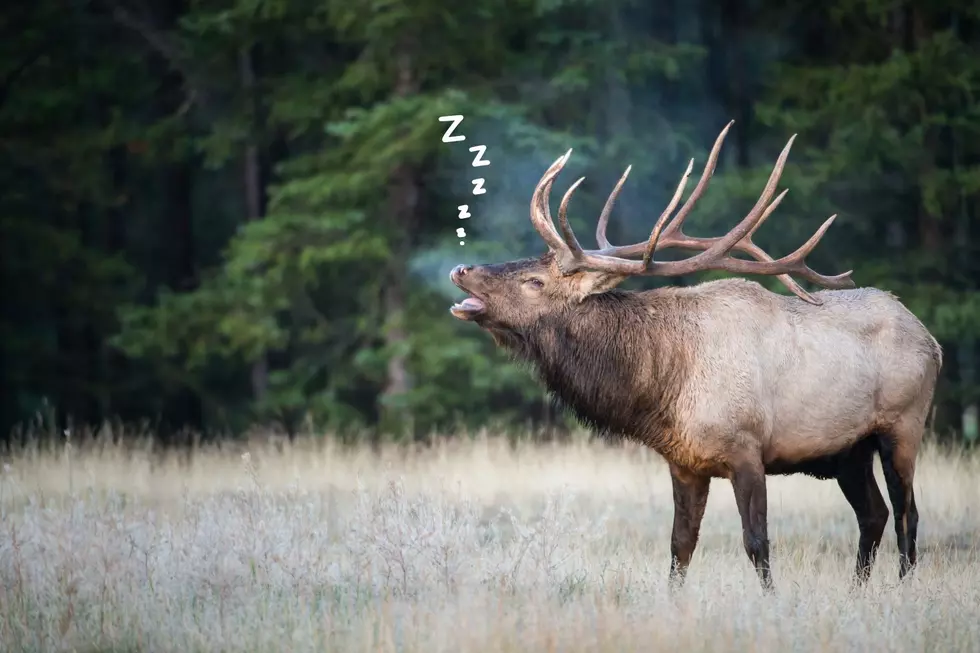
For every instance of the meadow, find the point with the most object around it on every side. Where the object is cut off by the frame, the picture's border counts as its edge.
(473, 544)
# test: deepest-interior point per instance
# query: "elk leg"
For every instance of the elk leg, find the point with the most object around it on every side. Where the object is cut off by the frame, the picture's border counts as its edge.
(857, 482)
(898, 464)
(690, 499)
(749, 483)
(913, 527)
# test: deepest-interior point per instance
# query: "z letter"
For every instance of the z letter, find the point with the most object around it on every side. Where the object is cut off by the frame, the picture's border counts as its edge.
(479, 149)
(446, 138)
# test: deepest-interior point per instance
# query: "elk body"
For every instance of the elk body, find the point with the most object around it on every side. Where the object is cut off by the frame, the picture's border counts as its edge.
(724, 379)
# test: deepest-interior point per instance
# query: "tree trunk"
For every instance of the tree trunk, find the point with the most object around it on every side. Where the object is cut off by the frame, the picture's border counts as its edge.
(616, 108)
(966, 349)
(738, 98)
(114, 239)
(715, 34)
(929, 226)
(403, 195)
(186, 410)
(254, 201)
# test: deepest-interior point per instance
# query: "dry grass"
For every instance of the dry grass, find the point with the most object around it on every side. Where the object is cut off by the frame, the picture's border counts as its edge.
(470, 546)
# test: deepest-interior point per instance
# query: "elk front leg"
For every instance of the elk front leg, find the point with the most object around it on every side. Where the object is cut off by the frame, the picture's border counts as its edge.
(690, 498)
(749, 483)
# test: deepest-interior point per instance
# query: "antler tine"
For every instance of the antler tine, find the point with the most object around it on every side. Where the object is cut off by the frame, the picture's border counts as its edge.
(792, 263)
(750, 222)
(723, 245)
(746, 246)
(600, 230)
(540, 211)
(569, 234)
(566, 228)
(659, 224)
(709, 170)
(675, 225)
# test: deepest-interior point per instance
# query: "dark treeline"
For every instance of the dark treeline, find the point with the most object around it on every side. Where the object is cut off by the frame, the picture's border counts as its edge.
(238, 212)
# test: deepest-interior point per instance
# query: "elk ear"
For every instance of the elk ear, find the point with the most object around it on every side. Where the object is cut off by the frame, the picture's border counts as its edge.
(593, 283)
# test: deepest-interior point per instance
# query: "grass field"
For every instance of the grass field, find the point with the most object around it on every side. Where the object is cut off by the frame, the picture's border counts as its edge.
(468, 546)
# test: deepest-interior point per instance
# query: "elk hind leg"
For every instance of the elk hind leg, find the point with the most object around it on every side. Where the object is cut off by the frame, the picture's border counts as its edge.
(857, 481)
(749, 483)
(898, 449)
(690, 499)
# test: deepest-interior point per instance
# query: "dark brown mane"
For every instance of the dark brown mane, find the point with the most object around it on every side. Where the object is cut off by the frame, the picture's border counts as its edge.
(588, 355)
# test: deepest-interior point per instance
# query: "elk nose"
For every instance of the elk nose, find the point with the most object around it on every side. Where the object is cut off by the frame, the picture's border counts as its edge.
(460, 270)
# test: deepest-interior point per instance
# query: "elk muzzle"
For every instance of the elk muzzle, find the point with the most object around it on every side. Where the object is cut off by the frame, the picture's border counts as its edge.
(471, 307)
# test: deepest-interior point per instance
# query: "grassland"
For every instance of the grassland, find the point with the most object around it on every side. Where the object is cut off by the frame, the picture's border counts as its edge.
(467, 546)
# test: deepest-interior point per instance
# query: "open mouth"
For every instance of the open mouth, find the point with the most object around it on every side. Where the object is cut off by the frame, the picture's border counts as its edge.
(468, 309)
(472, 306)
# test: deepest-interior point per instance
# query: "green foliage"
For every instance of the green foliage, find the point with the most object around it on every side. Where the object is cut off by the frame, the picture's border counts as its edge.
(129, 128)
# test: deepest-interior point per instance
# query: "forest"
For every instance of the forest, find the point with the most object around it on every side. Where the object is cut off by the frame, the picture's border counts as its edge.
(233, 214)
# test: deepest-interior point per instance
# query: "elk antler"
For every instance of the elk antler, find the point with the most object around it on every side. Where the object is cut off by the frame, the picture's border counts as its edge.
(714, 251)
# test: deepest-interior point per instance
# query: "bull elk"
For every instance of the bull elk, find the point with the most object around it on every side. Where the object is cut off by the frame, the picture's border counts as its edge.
(724, 379)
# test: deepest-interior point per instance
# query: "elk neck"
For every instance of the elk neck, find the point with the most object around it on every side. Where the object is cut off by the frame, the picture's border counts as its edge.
(614, 361)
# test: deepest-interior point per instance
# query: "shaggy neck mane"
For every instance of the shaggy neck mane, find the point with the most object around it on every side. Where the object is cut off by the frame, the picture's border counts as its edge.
(611, 361)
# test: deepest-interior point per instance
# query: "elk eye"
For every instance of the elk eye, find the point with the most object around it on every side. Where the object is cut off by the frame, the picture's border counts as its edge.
(535, 283)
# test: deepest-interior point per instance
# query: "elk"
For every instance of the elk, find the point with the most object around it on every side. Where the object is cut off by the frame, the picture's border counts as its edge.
(724, 379)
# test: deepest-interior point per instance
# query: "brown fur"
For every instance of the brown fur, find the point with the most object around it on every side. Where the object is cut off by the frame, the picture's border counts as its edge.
(729, 380)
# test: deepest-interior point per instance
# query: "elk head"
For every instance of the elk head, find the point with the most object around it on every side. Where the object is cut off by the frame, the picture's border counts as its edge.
(514, 295)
